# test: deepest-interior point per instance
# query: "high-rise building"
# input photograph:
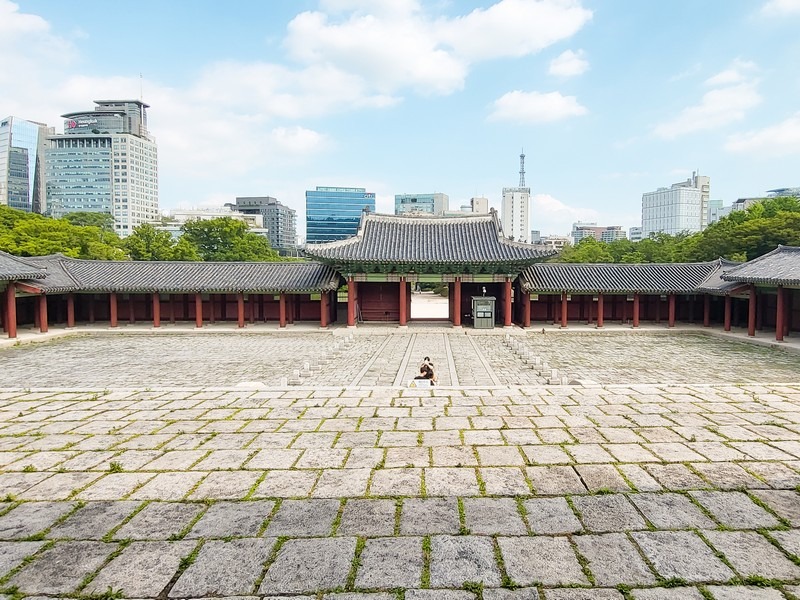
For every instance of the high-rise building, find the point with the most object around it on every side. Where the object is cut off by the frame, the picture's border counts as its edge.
(514, 213)
(333, 213)
(683, 207)
(479, 205)
(431, 204)
(635, 234)
(105, 161)
(22, 145)
(602, 234)
(279, 220)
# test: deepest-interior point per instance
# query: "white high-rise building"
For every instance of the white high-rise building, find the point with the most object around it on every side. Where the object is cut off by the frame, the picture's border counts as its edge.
(106, 161)
(515, 210)
(683, 207)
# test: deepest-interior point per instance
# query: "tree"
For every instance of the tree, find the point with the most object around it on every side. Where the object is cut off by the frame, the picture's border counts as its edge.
(185, 250)
(587, 250)
(148, 243)
(226, 239)
(104, 221)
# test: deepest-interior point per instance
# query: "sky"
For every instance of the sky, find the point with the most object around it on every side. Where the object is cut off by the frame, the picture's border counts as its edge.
(608, 98)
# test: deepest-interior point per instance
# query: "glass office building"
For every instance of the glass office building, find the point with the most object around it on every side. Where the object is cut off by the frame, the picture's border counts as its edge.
(333, 213)
(21, 166)
(432, 204)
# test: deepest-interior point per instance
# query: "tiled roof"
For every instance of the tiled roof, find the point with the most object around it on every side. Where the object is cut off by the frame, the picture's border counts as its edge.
(656, 278)
(471, 239)
(716, 285)
(779, 267)
(12, 267)
(184, 277)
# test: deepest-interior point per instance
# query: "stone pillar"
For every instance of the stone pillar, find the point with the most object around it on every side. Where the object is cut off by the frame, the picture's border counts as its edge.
(351, 302)
(198, 310)
(600, 309)
(457, 302)
(282, 308)
(11, 309)
(112, 309)
(780, 317)
(671, 311)
(506, 302)
(706, 310)
(42, 308)
(635, 310)
(324, 308)
(727, 315)
(751, 312)
(156, 309)
(70, 310)
(563, 309)
(403, 316)
(240, 309)
(526, 309)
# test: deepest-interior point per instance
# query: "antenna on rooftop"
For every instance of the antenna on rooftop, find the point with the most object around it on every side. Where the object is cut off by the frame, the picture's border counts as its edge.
(522, 169)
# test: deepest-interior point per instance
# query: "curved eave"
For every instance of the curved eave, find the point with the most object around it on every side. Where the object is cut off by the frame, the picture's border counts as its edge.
(768, 281)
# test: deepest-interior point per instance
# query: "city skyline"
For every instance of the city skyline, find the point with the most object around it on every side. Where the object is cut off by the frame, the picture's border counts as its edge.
(609, 99)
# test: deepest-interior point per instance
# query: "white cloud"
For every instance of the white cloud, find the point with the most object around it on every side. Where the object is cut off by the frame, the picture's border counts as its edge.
(781, 139)
(781, 7)
(552, 216)
(733, 95)
(569, 64)
(535, 107)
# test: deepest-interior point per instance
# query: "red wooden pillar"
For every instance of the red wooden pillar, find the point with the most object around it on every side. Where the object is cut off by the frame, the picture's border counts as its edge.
(780, 317)
(282, 308)
(351, 302)
(457, 302)
(240, 309)
(324, 308)
(506, 301)
(91, 307)
(198, 310)
(156, 309)
(751, 312)
(600, 309)
(526, 309)
(11, 309)
(403, 316)
(212, 309)
(706, 310)
(727, 315)
(172, 301)
(671, 311)
(563, 309)
(70, 310)
(42, 308)
(112, 309)
(131, 309)
(251, 307)
(636, 310)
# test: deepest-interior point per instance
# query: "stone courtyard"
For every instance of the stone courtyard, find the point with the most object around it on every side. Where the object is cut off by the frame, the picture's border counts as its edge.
(185, 466)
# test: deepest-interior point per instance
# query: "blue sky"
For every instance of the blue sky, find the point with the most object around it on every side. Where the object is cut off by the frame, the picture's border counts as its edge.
(609, 98)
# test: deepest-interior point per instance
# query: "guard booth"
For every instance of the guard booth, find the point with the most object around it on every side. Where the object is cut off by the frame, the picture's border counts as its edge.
(483, 312)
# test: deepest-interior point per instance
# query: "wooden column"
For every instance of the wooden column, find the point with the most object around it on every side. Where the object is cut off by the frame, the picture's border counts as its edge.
(223, 307)
(198, 310)
(185, 307)
(506, 302)
(351, 302)
(42, 308)
(251, 307)
(212, 309)
(11, 309)
(172, 301)
(563, 309)
(156, 309)
(90, 297)
(112, 309)
(780, 316)
(526, 309)
(636, 310)
(403, 317)
(751, 312)
(457, 302)
(600, 309)
(131, 309)
(706, 310)
(70, 310)
(324, 308)
(282, 308)
(671, 311)
(240, 309)
(727, 314)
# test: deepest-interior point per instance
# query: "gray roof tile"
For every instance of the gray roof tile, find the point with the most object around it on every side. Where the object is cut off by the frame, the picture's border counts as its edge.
(14, 268)
(779, 267)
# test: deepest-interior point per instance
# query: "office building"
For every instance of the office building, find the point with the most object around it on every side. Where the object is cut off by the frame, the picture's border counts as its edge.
(430, 204)
(635, 234)
(178, 217)
(333, 213)
(514, 213)
(602, 234)
(683, 207)
(279, 220)
(105, 161)
(714, 209)
(22, 145)
(479, 205)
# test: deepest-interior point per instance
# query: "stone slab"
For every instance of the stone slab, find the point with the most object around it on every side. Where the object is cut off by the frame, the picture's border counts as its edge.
(547, 561)
(682, 555)
(239, 519)
(390, 563)
(310, 565)
(459, 559)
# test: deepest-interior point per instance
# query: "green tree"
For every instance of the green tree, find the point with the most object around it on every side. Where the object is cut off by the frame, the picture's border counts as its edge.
(587, 250)
(148, 243)
(104, 221)
(226, 239)
(185, 250)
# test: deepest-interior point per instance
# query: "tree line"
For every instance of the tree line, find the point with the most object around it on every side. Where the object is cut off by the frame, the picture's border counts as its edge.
(92, 236)
(739, 236)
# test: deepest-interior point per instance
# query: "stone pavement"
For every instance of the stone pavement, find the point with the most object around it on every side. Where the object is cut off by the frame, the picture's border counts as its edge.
(480, 489)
